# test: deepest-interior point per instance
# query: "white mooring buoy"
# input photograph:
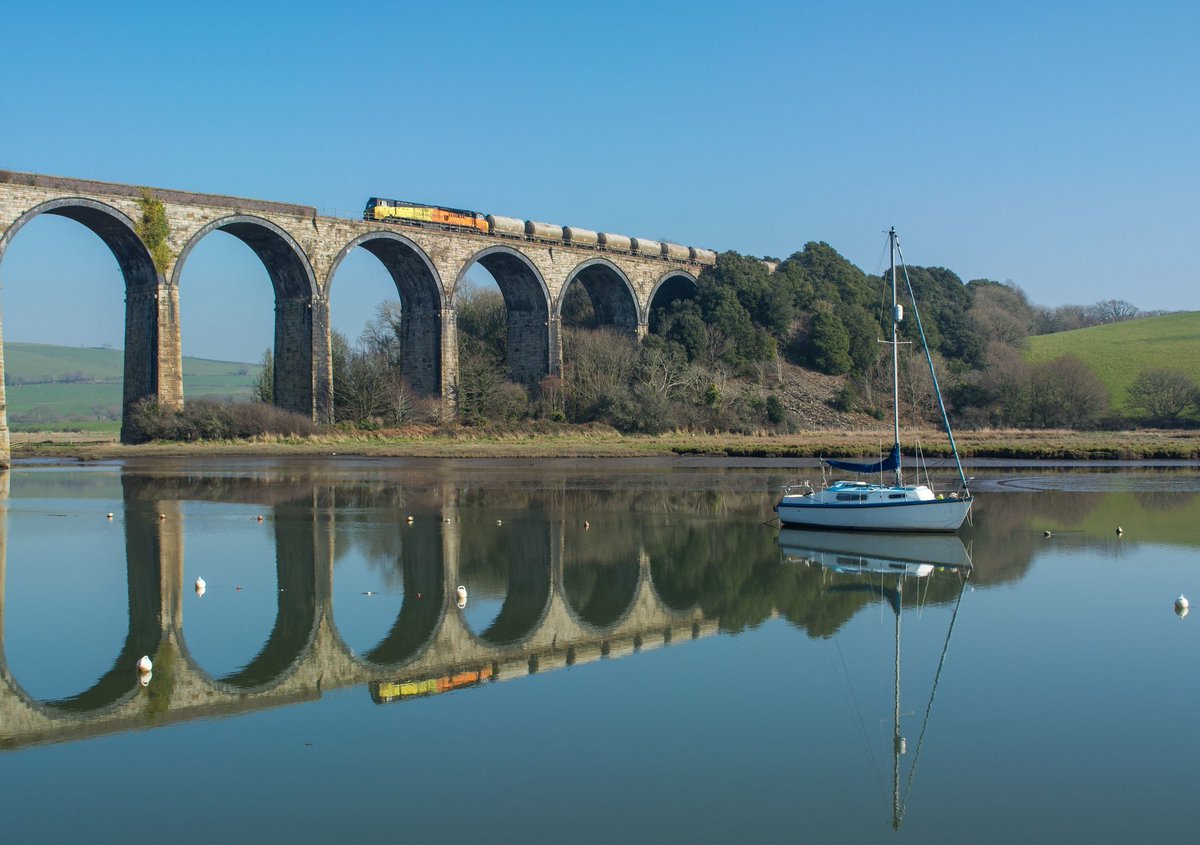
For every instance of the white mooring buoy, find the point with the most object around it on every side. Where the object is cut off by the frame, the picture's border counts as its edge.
(1181, 606)
(461, 594)
(200, 586)
(144, 665)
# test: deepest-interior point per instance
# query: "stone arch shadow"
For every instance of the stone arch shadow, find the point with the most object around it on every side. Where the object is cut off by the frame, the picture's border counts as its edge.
(675, 587)
(672, 285)
(601, 597)
(529, 590)
(297, 614)
(144, 636)
(527, 300)
(422, 300)
(423, 610)
(613, 298)
(297, 344)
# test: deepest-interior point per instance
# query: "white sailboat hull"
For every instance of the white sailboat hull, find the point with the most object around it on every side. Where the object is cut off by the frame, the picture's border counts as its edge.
(875, 511)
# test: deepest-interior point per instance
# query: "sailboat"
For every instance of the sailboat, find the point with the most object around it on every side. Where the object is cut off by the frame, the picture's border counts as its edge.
(870, 506)
(887, 567)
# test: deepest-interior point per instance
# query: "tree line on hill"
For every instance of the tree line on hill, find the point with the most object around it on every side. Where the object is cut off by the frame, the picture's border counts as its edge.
(73, 377)
(721, 360)
(716, 361)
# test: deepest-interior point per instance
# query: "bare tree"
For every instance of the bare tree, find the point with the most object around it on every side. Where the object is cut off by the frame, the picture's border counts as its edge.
(552, 398)
(381, 334)
(1064, 318)
(1001, 312)
(360, 392)
(597, 368)
(716, 342)
(264, 384)
(482, 319)
(1163, 394)
(918, 400)
(661, 371)
(1006, 381)
(483, 391)
(1112, 311)
(1065, 393)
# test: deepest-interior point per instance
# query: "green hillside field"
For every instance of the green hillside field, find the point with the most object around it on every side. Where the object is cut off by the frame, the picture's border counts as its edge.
(56, 388)
(1117, 352)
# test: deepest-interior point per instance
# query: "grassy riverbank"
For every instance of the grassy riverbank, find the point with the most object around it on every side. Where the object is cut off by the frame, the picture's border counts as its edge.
(566, 442)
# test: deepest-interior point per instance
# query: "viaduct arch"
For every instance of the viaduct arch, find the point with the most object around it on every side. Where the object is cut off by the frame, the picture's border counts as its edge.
(527, 301)
(422, 298)
(673, 285)
(296, 293)
(146, 345)
(614, 300)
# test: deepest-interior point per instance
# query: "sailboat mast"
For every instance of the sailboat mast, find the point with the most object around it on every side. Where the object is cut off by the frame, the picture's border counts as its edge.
(898, 743)
(895, 347)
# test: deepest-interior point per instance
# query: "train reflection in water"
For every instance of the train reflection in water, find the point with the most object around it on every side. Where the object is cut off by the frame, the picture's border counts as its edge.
(384, 692)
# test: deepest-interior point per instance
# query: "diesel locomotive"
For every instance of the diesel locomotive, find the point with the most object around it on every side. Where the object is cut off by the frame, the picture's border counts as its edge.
(399, 211)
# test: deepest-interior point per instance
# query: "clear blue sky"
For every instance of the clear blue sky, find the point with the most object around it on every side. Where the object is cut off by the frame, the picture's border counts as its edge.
(1051, 144)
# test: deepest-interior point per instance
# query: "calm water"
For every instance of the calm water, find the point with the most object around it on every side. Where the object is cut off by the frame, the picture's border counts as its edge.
(638, 659)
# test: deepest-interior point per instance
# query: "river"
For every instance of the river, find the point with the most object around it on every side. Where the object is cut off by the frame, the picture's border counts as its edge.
(637, 654)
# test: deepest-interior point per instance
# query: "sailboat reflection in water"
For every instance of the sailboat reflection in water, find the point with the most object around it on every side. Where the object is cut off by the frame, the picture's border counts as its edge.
(900, 569)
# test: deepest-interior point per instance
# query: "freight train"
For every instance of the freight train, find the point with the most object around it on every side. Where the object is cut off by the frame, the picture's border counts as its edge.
(417, 214)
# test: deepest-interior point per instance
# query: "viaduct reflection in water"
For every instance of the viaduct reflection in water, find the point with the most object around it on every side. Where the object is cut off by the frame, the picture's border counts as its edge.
(691, 563)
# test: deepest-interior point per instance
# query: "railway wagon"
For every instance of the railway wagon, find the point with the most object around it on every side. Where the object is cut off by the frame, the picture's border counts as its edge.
(617, 243)
(581, 237)
(509, 227)
(543, 231)
(645, 246)
(676, 252)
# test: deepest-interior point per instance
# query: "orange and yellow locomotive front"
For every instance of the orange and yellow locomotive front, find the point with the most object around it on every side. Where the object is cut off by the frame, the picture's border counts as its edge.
(430, 214)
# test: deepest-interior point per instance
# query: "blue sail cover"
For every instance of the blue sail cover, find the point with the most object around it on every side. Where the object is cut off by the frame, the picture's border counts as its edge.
(890, 462)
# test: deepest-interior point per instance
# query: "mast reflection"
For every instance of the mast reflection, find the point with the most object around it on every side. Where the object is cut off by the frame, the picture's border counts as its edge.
(906, 572)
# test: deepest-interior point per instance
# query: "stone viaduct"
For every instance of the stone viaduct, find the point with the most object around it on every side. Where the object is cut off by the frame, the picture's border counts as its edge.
(301, 251)
(429, 648)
